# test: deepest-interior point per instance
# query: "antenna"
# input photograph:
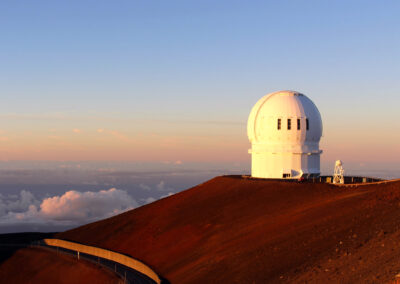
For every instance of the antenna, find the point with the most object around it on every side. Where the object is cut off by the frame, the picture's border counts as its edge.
(338, 173)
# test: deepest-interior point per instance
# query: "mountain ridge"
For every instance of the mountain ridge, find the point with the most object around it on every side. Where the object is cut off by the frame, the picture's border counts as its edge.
(246, 230)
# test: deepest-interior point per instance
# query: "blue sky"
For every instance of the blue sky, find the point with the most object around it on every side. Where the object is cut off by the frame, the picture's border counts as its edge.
(191, 70)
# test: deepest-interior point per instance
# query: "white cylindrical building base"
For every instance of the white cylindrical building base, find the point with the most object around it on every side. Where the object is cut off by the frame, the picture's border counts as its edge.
(285, 165)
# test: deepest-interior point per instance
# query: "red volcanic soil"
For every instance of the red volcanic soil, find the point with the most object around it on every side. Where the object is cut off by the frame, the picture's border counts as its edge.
(232, 229)
(33, 265)
(247, 230)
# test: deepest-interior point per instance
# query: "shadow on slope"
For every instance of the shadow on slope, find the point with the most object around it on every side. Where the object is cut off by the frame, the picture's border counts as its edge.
(10, 243)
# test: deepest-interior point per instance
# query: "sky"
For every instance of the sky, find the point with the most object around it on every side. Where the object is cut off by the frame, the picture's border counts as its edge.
(110, 105)
(176, 80)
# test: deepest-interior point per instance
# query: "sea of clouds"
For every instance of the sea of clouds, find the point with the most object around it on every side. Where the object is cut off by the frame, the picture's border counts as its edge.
(70, 209)
(59, 196)
(26, 211)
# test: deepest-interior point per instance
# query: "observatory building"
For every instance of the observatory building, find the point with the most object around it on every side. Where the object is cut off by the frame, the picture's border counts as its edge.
(284, 129)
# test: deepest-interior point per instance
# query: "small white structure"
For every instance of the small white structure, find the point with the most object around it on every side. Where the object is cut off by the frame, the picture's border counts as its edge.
(338, 176)
(284, 129)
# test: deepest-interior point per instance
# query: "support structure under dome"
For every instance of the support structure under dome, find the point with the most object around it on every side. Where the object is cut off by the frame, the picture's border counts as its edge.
(284, 129)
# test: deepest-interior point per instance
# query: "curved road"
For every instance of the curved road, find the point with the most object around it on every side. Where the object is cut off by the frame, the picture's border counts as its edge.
(127, 274)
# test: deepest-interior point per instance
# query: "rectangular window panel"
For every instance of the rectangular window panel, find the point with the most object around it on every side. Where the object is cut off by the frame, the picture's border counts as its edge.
(307, 124)
(279, 124)
(289, 124)
(298, 124)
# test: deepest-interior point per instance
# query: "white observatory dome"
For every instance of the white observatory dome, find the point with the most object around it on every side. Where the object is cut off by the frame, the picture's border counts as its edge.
(284, 129)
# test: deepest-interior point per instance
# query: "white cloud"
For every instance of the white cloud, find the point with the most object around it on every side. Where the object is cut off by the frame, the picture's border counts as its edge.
(161, 186)
(21, 204)
(76, 130)
(149, 200)
(166, 195)
(144, 187)
(73, 207)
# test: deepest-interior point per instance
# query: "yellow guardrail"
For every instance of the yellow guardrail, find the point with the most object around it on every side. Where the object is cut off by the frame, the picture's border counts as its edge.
(107, 254)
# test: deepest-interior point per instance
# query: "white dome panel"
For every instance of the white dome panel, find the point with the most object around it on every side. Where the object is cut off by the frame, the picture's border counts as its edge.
(285, 128)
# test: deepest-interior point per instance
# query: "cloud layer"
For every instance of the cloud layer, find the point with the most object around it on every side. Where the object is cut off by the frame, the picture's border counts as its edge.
(71, 208)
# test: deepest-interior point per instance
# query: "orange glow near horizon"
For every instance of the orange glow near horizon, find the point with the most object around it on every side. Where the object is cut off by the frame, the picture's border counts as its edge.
(104, 144)
(79, 138)
(216, 144)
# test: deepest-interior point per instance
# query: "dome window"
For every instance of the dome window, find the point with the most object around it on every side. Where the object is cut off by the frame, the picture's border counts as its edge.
(279, 124)
(289, 124)
(298, 124)
(307, 124)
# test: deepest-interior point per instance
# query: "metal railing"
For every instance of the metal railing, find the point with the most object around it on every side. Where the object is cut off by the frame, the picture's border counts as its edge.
(124, 273)
(321, 179)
